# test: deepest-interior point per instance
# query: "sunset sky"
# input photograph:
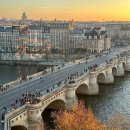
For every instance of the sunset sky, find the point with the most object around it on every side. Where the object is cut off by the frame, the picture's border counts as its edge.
(82, 10)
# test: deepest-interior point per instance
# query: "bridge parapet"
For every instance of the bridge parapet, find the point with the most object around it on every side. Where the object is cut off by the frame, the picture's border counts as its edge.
(11, 84)
(78, 81)
(33, 106)
(31, 112)
(19, 82)
(122, 59)
(114, 61)
(49, 95)
(36, 75)
(82, 78)
(17, 111)
(13, 116)
(109, 65)
(102, 67)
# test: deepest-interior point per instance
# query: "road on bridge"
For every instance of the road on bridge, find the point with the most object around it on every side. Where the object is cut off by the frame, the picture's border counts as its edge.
(7, 97)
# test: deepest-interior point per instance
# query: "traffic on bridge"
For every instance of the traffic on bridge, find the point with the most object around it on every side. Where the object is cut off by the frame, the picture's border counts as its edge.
(16, 95)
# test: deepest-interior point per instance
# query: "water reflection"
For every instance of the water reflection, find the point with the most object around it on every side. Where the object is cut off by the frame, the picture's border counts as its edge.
(112, 99)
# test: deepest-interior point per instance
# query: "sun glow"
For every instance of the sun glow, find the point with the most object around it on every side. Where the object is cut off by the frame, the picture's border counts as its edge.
(117, 10)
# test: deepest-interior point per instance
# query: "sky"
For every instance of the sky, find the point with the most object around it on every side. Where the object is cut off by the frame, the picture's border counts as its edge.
(79, 10)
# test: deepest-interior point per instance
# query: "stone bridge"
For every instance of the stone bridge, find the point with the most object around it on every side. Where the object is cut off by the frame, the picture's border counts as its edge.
(29, 116)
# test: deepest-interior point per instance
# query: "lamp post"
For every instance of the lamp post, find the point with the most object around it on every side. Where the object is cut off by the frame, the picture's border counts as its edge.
(92, 48)
(19, 74)
(26, 72)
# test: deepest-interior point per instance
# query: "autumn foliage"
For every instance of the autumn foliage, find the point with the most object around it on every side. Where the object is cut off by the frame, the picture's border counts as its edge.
(79, 118)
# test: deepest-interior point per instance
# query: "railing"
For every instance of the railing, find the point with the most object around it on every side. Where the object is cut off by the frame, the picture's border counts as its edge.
(79, 79)
(33, 106)
(98, 69)
(20, 82)
(45, 97)
(101, 67)
(84, 76)
(11, 84)
(18, 111)
(36, 75)
(53, 93)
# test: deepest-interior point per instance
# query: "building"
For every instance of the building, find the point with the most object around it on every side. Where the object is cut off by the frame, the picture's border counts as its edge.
(59, 31)
(97, 40)
(89, 39)
(58, 36)
(76, 39)
(9, 38)
(115, 30)
(24, 40)
(39, 38)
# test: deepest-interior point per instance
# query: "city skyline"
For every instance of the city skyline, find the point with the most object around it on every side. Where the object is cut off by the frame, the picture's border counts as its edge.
(83, 10)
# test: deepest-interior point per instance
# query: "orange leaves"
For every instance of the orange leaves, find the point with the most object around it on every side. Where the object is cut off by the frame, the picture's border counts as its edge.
(79, 118)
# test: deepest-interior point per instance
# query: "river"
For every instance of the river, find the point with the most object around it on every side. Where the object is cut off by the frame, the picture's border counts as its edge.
(112, 99)
(9, 73)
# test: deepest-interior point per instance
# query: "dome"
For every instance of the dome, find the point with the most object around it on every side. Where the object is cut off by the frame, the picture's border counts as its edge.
(24, 16)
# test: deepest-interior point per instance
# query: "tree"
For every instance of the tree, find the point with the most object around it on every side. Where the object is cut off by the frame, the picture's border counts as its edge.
(79, 118)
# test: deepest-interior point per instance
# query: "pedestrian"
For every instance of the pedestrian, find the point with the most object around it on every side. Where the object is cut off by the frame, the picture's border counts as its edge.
(5, 108)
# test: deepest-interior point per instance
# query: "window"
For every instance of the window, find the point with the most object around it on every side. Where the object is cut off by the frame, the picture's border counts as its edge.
(95, 37)
(90, 37)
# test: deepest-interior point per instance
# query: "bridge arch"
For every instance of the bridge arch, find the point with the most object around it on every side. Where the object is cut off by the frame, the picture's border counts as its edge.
(82, 89)
(18, 127)
(57, 104)
(114, 71)
(101, 77)
(46, 114)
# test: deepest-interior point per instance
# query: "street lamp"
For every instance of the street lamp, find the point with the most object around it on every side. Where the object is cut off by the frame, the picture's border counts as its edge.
(92, 46)
(19, 74)
(26, 72)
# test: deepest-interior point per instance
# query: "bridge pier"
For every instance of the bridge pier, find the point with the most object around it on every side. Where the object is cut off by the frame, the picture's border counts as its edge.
(71, 98)
(93, 86)
(35, 124)
(109, 76)
(34, 120)
(120, 69)
(127, 66)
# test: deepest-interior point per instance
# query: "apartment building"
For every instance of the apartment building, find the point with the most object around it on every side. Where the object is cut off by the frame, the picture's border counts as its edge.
(9, 38)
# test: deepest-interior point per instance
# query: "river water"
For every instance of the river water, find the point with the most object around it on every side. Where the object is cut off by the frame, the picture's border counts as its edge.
(112, 99)
(9, 73)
